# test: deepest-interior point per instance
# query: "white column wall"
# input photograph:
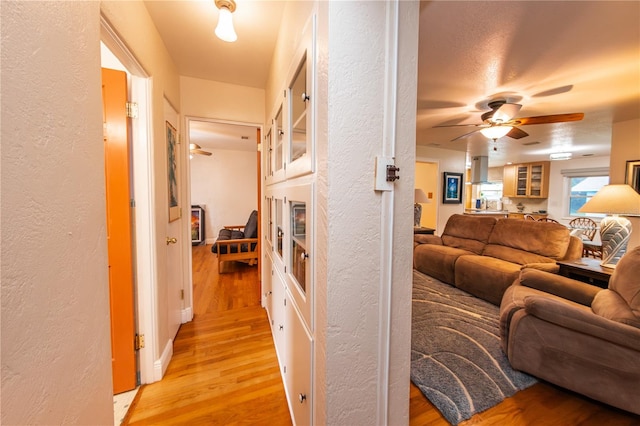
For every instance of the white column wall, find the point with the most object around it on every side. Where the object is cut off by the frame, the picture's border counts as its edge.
(56, 354)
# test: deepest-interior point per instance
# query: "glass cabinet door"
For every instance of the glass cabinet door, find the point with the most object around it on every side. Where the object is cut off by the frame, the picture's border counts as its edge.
(298, 244)
(521, 184)
(279, 141)
(279, 227)
(299, 99)
(535, 186)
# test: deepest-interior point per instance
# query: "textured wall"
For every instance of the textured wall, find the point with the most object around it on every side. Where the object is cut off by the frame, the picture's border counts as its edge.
(56, 356)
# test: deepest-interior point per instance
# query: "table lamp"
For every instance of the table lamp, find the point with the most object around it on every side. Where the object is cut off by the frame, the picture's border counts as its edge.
(614, 230)
(418, 198)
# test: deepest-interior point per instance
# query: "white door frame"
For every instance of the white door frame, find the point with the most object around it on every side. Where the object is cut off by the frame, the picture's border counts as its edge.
(143, 185)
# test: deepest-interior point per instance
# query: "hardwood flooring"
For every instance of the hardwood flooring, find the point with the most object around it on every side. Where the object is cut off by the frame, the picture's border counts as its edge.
(224, 370)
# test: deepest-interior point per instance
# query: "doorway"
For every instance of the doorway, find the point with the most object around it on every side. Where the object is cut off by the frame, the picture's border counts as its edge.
(224, 184)
(427, 180)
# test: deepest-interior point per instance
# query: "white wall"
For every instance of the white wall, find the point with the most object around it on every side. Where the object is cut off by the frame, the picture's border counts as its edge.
(625, 146)
(56, 354)
(448, 161)
(221, 101)
(225, 185)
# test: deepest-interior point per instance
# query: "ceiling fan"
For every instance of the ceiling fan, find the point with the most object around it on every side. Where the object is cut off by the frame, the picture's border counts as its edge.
(194, 148)
(499, 121)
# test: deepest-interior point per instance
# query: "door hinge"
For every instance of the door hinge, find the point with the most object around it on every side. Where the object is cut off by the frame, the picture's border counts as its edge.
(132, 203)
(181, 294)
(138, 342)
(132, 109)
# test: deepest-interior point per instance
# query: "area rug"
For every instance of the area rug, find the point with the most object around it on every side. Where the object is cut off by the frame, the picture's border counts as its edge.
(456, 358)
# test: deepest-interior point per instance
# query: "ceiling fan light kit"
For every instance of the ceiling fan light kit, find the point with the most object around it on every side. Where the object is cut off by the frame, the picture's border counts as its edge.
(225, 30)
(496, 132)
(500, 121)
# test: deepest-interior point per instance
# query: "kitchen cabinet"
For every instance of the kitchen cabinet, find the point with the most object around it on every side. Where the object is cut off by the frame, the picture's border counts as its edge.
(526, 180)
(536, 216)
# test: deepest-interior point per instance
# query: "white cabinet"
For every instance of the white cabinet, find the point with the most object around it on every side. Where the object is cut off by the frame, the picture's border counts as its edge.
(288, 224)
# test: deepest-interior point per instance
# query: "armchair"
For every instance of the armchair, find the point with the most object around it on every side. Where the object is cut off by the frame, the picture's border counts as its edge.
(238, 242)
(575, 335)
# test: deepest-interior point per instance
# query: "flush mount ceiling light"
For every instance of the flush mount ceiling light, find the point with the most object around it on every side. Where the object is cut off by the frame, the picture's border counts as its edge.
(225, 30)
(560, 156)
(495, 132)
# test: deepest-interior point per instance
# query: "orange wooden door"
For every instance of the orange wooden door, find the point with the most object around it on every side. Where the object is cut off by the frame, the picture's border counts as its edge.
(119, 239)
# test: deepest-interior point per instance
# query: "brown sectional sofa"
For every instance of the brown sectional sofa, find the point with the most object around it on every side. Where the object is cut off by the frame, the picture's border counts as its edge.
(484, 255)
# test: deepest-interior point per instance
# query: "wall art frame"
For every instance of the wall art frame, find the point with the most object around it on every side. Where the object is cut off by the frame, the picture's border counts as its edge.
(632, 175)
(452, 188)
(172, 172)
(197, 225)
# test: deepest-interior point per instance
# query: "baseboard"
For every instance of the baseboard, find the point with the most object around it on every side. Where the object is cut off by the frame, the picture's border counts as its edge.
(160, 365)
(186, 315)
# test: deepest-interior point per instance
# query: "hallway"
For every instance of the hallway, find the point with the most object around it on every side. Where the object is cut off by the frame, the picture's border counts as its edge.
(224, 368)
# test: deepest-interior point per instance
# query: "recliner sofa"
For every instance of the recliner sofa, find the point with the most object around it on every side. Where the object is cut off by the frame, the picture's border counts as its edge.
(576, 335)
(484, 255)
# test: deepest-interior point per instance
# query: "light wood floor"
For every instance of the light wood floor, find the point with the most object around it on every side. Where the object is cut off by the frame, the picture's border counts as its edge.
(224, 370)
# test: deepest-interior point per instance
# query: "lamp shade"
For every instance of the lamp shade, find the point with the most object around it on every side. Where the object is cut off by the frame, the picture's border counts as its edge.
(495, 132)
(225, 30)
(420, 197)
(614, 199)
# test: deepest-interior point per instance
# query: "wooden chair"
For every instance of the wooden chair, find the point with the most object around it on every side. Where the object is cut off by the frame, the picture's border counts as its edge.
(529, 217)
(547, 219)
(238, 242)
(588, 228)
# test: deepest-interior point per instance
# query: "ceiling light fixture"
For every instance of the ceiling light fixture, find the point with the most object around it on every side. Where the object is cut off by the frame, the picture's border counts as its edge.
(225, 30)
(560, 156)
(496, 132)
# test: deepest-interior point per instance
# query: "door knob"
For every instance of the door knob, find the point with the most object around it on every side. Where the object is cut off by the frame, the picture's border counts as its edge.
(171, 240)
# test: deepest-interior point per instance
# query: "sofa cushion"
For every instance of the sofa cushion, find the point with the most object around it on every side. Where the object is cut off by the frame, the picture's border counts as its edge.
(485, 277)
(437, 261)
(251, 228)
(469, 233)
(624, 279)
(611, 305)
(544, 239)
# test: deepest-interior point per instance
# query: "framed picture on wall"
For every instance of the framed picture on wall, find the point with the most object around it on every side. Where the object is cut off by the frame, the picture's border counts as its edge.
(452, 188)
(172, 172)
(632, 176)
(197, 225)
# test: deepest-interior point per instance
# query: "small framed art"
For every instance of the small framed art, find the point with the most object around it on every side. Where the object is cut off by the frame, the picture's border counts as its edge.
(632, 176)
(197, 225)
(452, 188)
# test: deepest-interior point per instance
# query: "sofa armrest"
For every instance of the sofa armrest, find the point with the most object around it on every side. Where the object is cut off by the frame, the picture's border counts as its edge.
(582, 320)
(558, 285)
(427, 239)
(574, 251)
(237, 241)
(238, 227)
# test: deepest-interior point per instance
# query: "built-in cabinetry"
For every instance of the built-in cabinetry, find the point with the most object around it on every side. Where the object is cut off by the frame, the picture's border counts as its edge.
(527, 180)
(288, 222)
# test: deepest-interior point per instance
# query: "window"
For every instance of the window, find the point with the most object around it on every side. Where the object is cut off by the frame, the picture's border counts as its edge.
(581, 189)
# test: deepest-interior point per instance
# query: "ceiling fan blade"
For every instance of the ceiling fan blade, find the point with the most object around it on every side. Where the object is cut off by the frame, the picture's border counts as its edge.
(465, 135)
(460, 125)
(545, 119)
(199, 151)
(505, 113)
(517, 133)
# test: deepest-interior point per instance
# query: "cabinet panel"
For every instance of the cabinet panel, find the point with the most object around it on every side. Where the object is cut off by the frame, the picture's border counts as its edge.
(298, 375)
(509, 181)
(279, 319)
(267, 285)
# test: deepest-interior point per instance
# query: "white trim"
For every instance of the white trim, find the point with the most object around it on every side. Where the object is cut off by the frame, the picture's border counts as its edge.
(146, 262)
(186, 315)
(387, 214)
(161, 364)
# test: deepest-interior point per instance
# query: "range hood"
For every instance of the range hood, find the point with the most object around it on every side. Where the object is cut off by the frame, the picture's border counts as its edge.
(479, 169)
